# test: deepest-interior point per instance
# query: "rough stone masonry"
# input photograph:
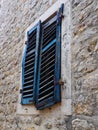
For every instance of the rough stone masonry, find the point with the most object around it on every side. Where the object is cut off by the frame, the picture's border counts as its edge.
(15, 17)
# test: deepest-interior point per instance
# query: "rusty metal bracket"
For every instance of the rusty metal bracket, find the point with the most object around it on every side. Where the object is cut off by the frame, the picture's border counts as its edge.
(60, 82)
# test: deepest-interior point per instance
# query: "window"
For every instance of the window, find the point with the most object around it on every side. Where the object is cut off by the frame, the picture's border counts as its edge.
(41, 63)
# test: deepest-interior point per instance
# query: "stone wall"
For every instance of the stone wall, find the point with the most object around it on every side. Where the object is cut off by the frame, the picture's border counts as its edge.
(15, 17)
(84, 52)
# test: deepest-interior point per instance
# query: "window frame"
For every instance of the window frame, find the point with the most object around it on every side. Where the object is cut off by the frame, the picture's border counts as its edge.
(65, 106)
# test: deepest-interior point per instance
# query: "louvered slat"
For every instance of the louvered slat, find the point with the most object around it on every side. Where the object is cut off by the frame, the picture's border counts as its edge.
(30, 86)
(47, 75)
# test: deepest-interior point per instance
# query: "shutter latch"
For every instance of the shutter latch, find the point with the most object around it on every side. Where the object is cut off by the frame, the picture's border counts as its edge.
(21, 91)
(60, 82)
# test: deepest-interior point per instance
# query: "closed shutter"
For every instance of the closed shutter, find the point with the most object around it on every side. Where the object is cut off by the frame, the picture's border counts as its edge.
(30, 65)
(48, 88)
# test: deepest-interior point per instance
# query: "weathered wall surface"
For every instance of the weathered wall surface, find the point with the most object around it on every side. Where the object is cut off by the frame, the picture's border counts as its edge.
(85, 64)
(15, 17)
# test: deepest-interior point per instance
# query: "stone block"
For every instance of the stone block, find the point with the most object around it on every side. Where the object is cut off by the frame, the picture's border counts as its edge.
(32, 128)
(38, 120)
(79, 124)
(48, 125)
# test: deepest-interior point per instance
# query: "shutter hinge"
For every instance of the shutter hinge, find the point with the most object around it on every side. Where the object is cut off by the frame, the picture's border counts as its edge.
(21, 91)
(26, 42)
(61, 15)
(60, 82)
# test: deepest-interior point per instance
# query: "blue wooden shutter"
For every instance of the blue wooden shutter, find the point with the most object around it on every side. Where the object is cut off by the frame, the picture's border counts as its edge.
(48, 87)
(30, 65)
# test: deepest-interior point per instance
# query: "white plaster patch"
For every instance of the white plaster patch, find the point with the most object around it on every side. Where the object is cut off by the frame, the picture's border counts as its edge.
(50, 2)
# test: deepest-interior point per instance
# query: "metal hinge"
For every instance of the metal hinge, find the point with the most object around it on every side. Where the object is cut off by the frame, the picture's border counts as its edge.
(60, 82)
(61, 15)
(21, 91)
(26, 42)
